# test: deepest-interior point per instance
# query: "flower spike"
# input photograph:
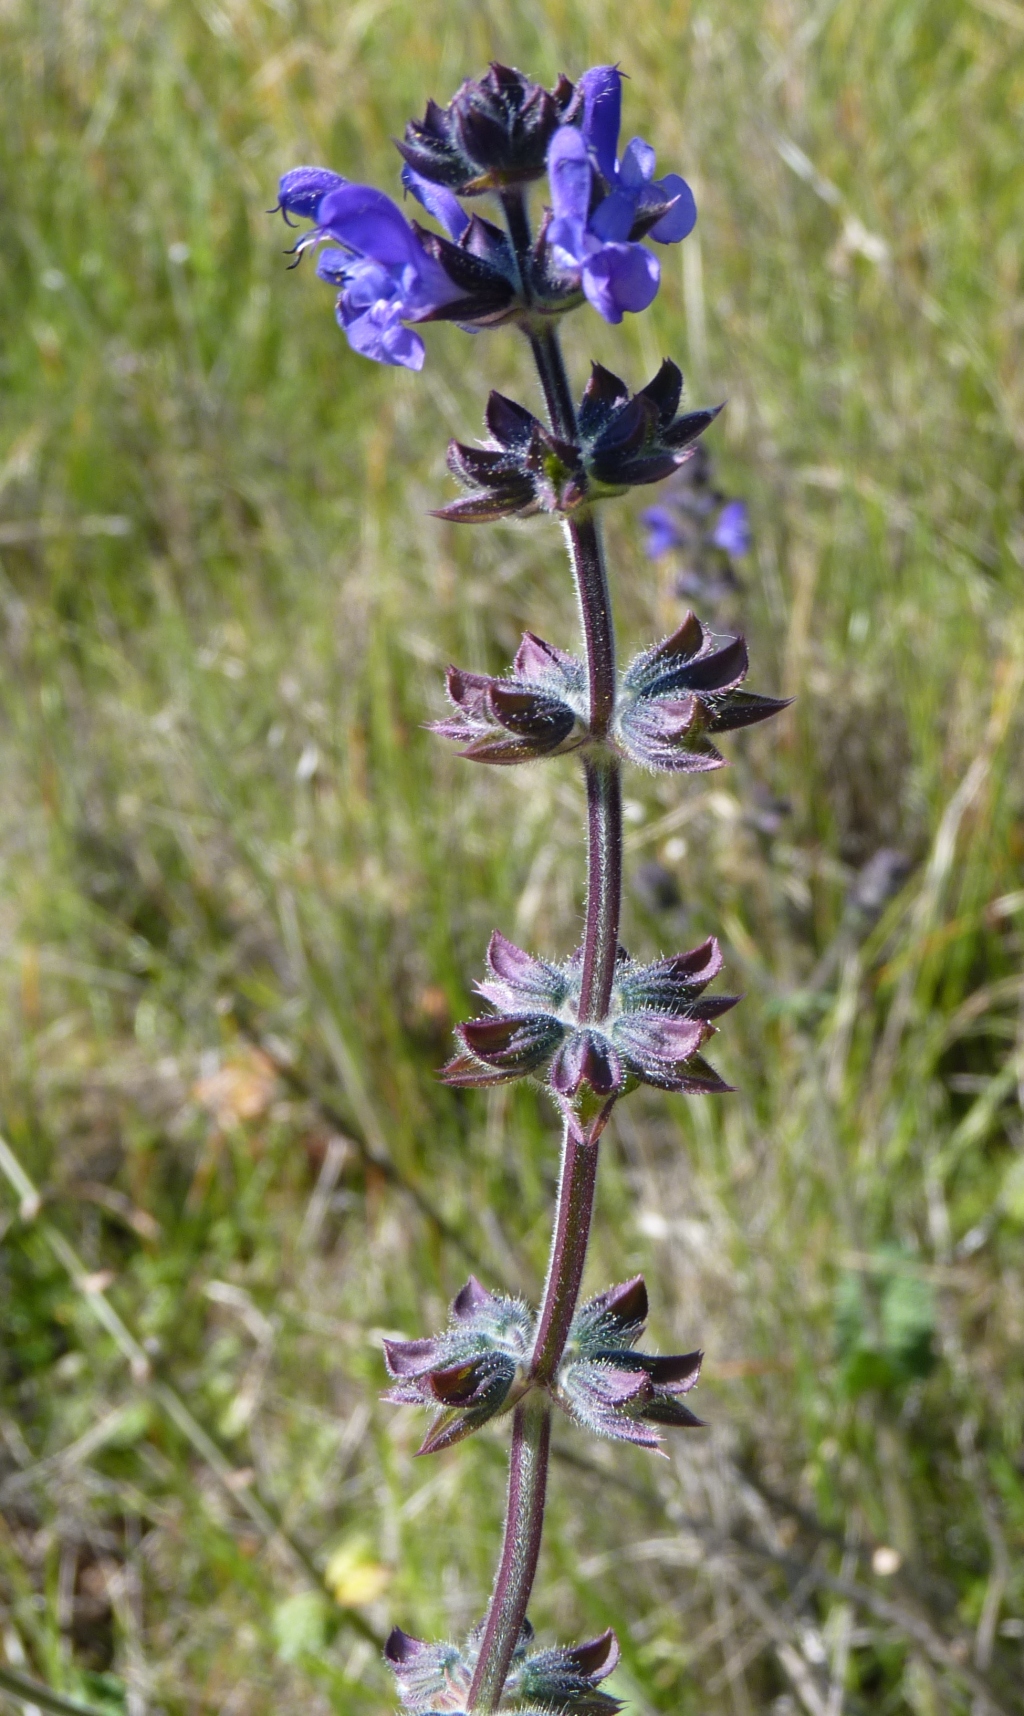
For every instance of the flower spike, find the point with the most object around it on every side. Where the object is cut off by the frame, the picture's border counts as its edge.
(594, 1026)
(697, 521)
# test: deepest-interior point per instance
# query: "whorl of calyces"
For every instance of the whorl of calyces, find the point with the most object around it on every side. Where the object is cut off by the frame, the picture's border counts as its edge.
(591, 1027)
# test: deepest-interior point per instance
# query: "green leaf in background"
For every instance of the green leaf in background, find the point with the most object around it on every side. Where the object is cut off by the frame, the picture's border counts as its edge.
(884, 1325)
(299, 1625)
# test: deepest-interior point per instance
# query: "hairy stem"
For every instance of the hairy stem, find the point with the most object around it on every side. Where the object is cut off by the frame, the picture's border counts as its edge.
(604, 885)
(547, 355)
(524, 1520)
(568, 1253)
(517, 219)
(531, 1427)
(596, 614)
(604, 792)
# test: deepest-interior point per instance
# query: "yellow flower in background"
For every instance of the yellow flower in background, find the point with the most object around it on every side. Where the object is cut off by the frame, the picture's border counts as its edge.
(353, 1577)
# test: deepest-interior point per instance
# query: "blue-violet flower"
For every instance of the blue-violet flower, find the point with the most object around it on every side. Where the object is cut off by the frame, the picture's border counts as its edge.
(696, 517)
(663, 208)
(389, 272)
(602, 206)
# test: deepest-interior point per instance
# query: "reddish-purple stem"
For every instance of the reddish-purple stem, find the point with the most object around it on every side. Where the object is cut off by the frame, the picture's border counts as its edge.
(524, 1521)
(604, 885)
(531, 1427)
(568, 1253)
(604, 789)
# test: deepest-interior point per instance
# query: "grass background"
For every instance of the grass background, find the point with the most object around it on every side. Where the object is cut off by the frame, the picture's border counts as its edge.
(243, 896)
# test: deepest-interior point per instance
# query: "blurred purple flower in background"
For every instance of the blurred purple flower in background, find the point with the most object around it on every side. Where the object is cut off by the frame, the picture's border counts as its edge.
(662, 532)
(732, 532)
(708, 531)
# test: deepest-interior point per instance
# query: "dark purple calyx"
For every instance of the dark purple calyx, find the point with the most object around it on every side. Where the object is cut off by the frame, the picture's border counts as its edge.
(467, 1373)
(480, 264)
(494, 133)
(435, 1679)
(536, 710)
(608, 1387)
(627, 441)
(520, 470)
(676, 694)
(657, 1023)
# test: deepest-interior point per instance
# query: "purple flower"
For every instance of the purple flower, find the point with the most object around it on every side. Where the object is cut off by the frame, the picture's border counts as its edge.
(662, 532)
(387, 276)
(663, 208)
(697, 519)
(602, 206)
(608, 1387)
(614, 274)
(732, 532)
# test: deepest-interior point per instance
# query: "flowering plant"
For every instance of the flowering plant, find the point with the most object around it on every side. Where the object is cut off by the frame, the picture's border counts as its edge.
(593, 1026)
